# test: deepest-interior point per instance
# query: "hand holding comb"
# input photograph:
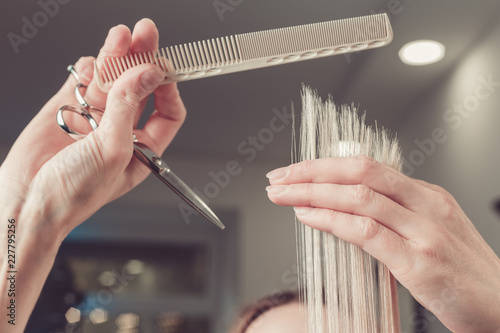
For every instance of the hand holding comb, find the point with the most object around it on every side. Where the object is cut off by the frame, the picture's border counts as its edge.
(254, 50)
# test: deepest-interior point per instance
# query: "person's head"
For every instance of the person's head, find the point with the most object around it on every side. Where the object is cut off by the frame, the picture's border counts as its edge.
(277, 313)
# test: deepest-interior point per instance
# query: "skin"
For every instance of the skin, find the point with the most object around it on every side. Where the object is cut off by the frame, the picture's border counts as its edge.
(415, 228)
(51, 184)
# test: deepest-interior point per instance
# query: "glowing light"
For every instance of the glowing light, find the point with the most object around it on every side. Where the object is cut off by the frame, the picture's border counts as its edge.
(107, 279)
(127, 321)
(134, 267)
(73, 315)
(422, 52)
(98, 316)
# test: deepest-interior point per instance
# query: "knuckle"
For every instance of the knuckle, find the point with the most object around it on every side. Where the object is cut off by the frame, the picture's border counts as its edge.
(331, 215)
(314, 194)
(447, 205)
(309, 169)
(363, 194)
(127, 100)
(308, 191)
(429, 251)
(303, 167)
(370, 229)
(131, 97)
(364, 166)
(431, 248)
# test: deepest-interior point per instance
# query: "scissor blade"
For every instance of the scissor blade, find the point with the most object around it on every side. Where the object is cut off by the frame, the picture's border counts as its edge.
(167, 176)
(186, 193)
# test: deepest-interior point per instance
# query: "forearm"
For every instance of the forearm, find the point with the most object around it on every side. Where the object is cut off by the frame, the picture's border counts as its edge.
(29, 247)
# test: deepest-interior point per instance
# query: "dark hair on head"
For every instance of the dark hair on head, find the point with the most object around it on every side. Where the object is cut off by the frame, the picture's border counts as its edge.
(257, 308)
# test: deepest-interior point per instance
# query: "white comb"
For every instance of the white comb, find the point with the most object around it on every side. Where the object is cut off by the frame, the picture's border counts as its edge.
(254, 50)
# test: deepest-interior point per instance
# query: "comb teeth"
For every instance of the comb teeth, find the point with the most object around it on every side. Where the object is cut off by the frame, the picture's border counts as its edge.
(254, 50)
(336, 36)
(178, 59)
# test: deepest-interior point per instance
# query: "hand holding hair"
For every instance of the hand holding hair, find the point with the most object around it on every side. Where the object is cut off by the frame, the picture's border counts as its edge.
(415, 228)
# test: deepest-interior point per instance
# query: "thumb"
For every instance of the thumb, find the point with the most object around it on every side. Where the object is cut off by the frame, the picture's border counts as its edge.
(124, 101)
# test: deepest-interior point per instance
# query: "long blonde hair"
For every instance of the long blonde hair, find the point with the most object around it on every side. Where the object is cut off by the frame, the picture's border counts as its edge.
(345, 289)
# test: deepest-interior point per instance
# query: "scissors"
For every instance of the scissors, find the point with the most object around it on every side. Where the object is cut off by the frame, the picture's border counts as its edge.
(142, 152)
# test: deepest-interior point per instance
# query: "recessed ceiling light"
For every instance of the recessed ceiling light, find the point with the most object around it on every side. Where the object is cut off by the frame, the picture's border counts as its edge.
(421, 52)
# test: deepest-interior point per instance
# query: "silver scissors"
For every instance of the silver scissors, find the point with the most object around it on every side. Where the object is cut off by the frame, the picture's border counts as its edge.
(141, 151)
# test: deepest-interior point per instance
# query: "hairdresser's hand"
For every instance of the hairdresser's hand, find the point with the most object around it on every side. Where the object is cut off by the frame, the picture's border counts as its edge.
(417, 229)
(73, 179)
(51, 183)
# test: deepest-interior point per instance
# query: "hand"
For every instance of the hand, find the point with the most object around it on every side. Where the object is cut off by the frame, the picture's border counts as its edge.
(415, 228)
(68, 181)
(51, 183)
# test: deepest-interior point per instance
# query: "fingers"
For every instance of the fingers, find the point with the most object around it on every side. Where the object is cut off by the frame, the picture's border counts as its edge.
(124, 103)
(159, 130)
(44, 125)
(365, 232)
(166, 120)
(356, 170)
(144, 38)
(358, 200)
(84, 68)
(66, 95)
(117, 44)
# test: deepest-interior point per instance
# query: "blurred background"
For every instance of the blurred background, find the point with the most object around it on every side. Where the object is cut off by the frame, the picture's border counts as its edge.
(139, 264)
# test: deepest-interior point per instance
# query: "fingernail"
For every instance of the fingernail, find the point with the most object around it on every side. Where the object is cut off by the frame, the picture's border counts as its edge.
(302, 210)
(151, 79)
(145, 19)
(278, 173)
(275, 189)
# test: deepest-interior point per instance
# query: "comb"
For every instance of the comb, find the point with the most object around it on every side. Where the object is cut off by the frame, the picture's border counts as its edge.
(247, 51)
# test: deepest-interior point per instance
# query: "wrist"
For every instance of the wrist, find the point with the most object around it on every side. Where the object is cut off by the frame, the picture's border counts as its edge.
(38, 221)
(26, 265)
(32, 213)
(12, 194)
(32, 232)
(30, 250)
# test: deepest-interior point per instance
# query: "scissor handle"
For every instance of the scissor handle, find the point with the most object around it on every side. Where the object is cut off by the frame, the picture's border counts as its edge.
(82, 111)
(141, 151)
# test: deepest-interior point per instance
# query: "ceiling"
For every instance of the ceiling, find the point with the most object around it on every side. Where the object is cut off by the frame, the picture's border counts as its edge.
(224, 111)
